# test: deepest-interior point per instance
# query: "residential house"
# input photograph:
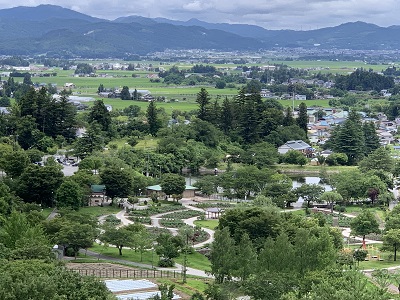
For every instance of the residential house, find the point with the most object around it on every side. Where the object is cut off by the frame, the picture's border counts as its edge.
(385, 137)
(300, 97)
(298, 145)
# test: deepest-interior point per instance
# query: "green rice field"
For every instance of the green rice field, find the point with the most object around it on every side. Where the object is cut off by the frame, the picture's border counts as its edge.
(185, 95)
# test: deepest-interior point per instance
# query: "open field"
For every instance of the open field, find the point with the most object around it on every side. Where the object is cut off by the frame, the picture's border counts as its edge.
(341, 67)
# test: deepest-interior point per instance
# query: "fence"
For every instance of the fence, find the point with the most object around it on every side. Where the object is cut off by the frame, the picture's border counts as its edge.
(123, 273)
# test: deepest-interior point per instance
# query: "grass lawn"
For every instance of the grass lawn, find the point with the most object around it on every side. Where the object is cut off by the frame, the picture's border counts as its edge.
(46, 211)
(299, 212)
(195, 260)
(210, 224)
(191, 287)
(378, 212)
(375, 264)
(127, 254)
(98, 211)
(147, 143)
(373, 250)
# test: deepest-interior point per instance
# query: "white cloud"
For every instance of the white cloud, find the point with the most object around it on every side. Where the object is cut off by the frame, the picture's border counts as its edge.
(271, 14)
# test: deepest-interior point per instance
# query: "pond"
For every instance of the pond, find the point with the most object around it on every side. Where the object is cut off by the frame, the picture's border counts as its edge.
(299, 180)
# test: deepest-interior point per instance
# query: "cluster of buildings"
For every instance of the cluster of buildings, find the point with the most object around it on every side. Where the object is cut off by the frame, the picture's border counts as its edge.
(319, 130)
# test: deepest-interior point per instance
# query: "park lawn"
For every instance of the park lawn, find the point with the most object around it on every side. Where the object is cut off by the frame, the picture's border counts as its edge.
(147, 143)
(375, 264)
(98, 211)
(297, 212)
(191, 286)
(210, 224)
(195, 261)
(127, 254)
(377, 211)
(46, 211)
(373, 249)
(120, 143)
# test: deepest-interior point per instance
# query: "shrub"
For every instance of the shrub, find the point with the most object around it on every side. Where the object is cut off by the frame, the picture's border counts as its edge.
(166, 262)
(111, 219)
(336, 159)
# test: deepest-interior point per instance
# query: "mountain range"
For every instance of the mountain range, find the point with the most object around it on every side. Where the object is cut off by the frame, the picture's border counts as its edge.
(57, 31)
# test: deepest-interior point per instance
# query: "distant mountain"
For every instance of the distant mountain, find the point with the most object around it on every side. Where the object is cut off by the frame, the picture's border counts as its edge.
(50, 29)
(43, 12)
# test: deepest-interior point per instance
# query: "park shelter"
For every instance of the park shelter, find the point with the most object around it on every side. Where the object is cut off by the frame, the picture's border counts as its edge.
(214, 212)
(97, 194)
(189, 191)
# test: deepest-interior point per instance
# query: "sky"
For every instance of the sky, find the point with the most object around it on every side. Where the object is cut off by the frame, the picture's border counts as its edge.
(270, 14)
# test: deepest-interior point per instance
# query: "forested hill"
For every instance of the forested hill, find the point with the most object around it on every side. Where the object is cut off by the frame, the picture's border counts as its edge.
(53, 30)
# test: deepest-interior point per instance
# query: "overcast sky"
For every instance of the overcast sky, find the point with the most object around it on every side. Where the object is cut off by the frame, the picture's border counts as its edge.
(271, 14)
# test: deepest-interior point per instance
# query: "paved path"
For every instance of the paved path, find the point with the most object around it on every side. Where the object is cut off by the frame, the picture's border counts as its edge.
(52, 215)
(391, 287)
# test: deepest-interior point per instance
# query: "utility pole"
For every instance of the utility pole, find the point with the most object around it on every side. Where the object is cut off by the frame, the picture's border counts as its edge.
(147, 166)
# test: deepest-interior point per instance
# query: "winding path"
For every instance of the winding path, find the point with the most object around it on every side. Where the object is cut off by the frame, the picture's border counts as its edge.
(155, 222)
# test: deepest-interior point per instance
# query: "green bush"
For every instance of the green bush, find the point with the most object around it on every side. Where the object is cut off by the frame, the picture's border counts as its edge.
(166, 263)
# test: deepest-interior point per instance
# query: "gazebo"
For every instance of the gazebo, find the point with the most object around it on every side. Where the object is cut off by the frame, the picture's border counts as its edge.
(213, 212)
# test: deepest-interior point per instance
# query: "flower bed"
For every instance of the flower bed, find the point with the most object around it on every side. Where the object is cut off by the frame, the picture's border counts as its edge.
(154, 210)
(209, 205)
(112, 220)
(186, 214)
(142, 220)
(342, 222)
(171, 223)
(154, 232)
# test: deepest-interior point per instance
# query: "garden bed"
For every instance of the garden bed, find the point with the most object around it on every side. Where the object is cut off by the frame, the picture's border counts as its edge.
(186, 214)
(172, 223)
(139, 219)
(154, 210)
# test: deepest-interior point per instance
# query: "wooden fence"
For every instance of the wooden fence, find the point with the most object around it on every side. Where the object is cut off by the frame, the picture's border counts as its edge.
(123, 273)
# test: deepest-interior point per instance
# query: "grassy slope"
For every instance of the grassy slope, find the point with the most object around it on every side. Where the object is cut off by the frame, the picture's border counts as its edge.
(195, 260)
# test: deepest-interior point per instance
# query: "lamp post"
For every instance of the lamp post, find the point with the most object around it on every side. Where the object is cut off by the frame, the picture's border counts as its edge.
(185, 259)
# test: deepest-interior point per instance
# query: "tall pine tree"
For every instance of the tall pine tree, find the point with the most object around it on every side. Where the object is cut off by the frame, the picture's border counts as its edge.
(288, 117)
(371, 137)
(227, 116)
(152, 118)
(302, 119)
(348, 138)
(203, 99)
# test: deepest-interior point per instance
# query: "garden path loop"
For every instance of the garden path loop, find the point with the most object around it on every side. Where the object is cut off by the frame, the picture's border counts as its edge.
(156, 218)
